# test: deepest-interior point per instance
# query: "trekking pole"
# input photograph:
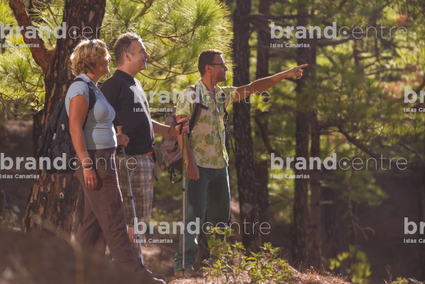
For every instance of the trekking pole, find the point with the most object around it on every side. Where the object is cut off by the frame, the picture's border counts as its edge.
(139, 241)
(184, 195)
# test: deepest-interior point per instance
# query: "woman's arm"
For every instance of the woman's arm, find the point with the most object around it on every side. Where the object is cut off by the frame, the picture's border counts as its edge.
(78, 107)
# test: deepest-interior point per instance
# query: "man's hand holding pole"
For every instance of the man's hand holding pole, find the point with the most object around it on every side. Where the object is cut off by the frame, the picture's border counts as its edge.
(191, 168)
(122, 139)
(182, 121)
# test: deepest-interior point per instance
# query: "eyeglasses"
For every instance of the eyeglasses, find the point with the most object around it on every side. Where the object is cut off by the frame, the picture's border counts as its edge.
(222, 65)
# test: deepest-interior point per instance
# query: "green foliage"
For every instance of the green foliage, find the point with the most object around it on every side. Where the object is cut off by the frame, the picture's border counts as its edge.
(174, 32)
(358, 267)
(358, 87)
(22, 81)
(22, 88)
(230, 263)
(6, 15)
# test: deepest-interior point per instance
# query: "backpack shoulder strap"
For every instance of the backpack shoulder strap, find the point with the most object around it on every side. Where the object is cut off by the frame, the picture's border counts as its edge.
(92, 98)
(196, 113)
(226, 114)
(226, 121)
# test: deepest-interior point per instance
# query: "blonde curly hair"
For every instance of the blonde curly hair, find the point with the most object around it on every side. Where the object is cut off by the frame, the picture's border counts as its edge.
(86, 55)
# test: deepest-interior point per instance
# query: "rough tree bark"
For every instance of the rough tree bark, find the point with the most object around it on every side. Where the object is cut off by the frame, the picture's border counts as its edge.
(301, 218)
(331, 230)
(242, 126)
(261, 169)
(300, 225)
(45, 206)
(263, 37)
(315, 224)
(2, 195)
(421, 205)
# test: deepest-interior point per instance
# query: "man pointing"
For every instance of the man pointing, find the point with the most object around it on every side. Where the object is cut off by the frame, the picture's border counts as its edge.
(207, 185)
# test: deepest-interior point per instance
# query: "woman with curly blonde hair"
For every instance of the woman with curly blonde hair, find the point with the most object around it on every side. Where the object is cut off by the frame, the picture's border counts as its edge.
(95, 142)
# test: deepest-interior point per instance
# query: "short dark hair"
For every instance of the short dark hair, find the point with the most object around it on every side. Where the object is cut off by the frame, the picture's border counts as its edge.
(122, 45)
(206, 57)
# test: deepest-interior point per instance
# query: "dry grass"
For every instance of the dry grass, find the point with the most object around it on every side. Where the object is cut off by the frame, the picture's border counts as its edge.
(315, 278)
(311, 277)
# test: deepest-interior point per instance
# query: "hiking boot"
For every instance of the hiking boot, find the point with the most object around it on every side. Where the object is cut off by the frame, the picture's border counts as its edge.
(188, 272)
(146, 277)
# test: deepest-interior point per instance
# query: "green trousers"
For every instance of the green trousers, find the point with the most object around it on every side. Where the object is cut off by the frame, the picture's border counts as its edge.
(211, 194)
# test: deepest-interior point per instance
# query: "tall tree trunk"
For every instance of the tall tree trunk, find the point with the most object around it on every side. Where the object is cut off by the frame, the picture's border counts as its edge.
(353, 231)
(330, 224)
(421, 199)
(315, 225)
(261, 169)
(300, 225)
(263, 38)
(262, 179)
(37, 130)
(2, 195)
(46, 208)
(242, 126)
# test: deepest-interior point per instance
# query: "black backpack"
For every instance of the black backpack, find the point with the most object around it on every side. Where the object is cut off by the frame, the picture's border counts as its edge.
(56, 139)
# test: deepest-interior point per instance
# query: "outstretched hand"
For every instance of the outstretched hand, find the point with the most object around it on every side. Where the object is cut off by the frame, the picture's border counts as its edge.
(297, 71)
